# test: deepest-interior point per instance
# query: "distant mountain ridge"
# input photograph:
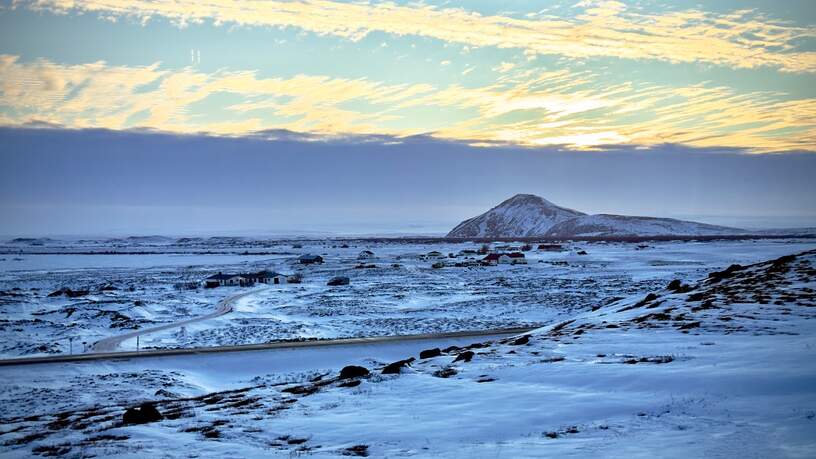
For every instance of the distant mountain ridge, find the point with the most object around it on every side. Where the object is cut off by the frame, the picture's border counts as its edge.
(527, 215)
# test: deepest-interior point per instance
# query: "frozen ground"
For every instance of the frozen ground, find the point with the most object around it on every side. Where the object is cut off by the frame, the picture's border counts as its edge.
(402, 294)
(719, 365)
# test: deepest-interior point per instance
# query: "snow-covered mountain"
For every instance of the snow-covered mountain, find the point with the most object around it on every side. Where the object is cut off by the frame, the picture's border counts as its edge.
(526, 215)
(520, 216)
(622, 225)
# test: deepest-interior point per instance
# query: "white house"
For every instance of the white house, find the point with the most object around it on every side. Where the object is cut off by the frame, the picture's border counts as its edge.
(504, 258)
(223, 280)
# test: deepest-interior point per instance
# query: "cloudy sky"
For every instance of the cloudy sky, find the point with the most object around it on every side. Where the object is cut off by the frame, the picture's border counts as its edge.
(586, 78)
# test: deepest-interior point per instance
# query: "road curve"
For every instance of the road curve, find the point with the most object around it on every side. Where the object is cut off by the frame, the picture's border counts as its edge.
(223, 307)
(261, 347)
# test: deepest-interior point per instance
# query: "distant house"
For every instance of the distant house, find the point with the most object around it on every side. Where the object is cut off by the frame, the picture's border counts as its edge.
(230, 280)
(310, 259)
(264, 277)
(223, 280)
(517, 258)
(504, 258)
(495, 258)
(435, 254)
(365, 255)
(549, 247)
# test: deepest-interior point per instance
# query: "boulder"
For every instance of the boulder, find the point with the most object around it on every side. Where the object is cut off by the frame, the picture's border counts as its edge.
(466, 356)
(521, 340)
(395, 368)
(339, 280)
(353, 371)
(141, 415)
(430, 353)
(445, 373)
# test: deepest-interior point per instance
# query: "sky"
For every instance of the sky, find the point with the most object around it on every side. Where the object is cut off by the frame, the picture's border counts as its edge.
(433, 111)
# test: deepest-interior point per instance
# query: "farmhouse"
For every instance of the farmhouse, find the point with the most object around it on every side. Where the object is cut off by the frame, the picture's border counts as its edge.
(504, 258)
(229, 280)
(309, 259)
(223, 280)
(365, 255)
(264, 277)
(517, 258)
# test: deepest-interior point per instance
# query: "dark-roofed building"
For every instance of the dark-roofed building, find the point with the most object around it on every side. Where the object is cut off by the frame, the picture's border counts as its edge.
(264, 277)
(504, 258)
(223, 280)
(309, 259)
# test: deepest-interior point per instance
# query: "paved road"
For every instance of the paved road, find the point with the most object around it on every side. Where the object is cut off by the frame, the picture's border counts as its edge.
(261, 347)
(224, 306)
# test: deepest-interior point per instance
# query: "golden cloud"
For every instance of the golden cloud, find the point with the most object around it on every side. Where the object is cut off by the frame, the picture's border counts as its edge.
(544, 108)
(741, 39)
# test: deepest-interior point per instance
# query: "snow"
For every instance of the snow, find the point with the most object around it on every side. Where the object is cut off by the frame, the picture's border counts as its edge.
(652, 385)
(412, 298)
(522, 215)
(533, 216)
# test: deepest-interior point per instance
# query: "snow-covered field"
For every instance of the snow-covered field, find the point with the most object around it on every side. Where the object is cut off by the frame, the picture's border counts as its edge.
(716, 365)
(401, 294)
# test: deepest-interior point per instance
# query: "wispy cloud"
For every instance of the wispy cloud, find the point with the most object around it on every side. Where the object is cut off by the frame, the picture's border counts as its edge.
(740, 39)
(527, 107)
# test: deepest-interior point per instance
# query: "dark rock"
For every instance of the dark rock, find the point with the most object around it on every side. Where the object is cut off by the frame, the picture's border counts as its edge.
(716, 276)
(353, 371)
(690, 325)
(302, 390)
(445, 373)
(395, 368)
(581, 252)
(356, 450)
(678, 287)
(430, 353)
(141, 415)
(69, 293)
(521, 340)
(339, 280)
(354, 383)
(450, 349)
(466, 356)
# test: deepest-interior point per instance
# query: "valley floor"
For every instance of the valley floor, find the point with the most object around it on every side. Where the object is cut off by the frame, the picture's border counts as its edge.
(721, 365)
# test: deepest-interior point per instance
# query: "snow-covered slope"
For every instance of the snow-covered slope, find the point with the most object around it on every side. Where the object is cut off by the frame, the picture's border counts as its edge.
(720, 367)
(623, 225)
(522, 215)
(527, 215)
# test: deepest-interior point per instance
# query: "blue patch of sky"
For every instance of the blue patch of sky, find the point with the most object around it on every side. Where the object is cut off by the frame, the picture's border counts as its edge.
(275, 52)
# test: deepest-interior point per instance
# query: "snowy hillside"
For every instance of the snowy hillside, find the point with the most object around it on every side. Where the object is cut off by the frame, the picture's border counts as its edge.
(527, 215)
(720, 367)
(522, 215)
(621, 225)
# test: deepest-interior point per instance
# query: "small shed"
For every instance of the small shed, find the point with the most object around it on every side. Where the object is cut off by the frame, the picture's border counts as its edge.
(365, 255)
(309, 259)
